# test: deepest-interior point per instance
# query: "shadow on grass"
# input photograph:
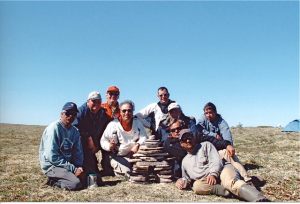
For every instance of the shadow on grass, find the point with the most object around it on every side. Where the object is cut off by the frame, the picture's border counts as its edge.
(110, 183)
(252, 166)
(258, 182)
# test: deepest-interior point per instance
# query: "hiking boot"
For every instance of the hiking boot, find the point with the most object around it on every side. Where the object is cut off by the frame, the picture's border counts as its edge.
(251, 194)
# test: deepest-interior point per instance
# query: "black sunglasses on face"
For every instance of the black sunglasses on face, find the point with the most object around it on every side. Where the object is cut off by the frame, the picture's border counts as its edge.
(174, 129)
(126, 110)
(70, 113)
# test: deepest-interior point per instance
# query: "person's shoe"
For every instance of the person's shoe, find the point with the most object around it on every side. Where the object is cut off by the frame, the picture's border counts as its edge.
(100, 181)
(251, 194)
(264, 200)
(220, 190)
(107, 173)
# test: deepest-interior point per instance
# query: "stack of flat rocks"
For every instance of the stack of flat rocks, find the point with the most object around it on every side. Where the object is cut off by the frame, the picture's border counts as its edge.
(151, 163)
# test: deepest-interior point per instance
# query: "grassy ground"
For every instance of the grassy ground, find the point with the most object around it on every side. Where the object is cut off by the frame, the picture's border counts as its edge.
(266, 152)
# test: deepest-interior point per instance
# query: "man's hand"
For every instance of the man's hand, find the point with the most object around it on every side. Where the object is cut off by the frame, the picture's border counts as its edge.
(112, 146)
(211, 180)
(91, 145)
(181, 184)
(230, 150)
(78, 171)
(219, 137)
(135, 148)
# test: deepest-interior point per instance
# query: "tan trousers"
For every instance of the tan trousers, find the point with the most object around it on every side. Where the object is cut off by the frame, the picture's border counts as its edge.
(235, 162)
(229, 180)
(120, 165)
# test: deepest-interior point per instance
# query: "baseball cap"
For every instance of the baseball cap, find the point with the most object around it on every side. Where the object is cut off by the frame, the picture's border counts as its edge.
(70, 106)
(184, 133)
(173, 106)
(94, 95)
(113, 89)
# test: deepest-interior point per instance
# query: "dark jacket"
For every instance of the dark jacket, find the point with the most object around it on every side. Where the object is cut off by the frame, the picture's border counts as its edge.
(90, 124)
(219, 144)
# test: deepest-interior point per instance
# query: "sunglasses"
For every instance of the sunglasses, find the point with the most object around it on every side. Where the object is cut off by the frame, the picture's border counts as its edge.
(126, 110)
(70, 113)
(174, 129)
(114, 93)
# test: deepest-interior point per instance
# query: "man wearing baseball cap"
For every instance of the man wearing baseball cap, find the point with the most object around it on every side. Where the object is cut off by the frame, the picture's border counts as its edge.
(203, 167)
(91, 122)
(111, 105)
(60, 151)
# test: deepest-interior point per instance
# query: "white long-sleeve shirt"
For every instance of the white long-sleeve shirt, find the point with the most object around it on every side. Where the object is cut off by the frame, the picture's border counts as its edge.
(158, 114)
(126, 139)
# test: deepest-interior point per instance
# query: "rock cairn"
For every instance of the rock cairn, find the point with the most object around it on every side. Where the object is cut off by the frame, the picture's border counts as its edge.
(151, 163)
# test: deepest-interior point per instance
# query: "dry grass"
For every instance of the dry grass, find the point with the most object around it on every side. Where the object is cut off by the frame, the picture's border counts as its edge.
(267, 153)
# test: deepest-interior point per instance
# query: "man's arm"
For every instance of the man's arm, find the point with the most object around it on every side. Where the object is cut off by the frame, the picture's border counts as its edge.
(214, 161)
(219, 144)
(225, 131)
(203, 128)
(77, 151)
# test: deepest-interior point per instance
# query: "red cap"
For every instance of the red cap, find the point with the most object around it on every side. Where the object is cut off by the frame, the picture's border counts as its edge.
(113, 89)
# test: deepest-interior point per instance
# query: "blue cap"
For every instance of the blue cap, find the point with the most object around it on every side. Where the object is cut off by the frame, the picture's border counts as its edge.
(70, 106)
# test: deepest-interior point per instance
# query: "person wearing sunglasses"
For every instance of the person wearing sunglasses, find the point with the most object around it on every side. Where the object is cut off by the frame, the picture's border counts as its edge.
(154, 113)
(174, 113)
(122, 138)
(204, 172)
(91, 122)
(60, 152)
(213, 125)
(111, 105)
(172, 145)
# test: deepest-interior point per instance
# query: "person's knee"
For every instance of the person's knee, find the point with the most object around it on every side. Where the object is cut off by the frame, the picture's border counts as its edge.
(201, 187)
(230, 179)
(75, 184)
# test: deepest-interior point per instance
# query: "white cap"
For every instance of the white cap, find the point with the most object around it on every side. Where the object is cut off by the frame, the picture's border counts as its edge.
(172, 106)
(94, 95)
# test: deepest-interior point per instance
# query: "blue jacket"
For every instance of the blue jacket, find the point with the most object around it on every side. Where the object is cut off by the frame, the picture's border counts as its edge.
(60, 147)
(90, 124)
(208, 128)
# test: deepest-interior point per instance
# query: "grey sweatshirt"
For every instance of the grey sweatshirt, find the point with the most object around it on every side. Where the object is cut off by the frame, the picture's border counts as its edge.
(202, 162)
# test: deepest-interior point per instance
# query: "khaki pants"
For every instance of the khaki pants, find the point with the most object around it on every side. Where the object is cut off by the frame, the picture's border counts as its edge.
(120, 165)
(234, 161)
(229, 179)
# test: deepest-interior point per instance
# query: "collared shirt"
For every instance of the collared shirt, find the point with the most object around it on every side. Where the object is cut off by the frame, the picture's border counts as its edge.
(112, 112)
(220, 126)
(158, 110)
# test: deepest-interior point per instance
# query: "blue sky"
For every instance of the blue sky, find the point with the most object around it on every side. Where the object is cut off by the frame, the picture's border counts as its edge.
(241, 55)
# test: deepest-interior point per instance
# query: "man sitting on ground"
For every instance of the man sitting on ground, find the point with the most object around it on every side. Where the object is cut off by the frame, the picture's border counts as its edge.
(203, 170)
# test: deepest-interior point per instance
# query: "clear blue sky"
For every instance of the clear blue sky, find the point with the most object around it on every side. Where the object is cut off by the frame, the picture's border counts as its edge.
(241, 55)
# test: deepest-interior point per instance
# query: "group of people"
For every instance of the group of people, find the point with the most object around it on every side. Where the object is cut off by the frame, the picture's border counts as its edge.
(205, 158)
